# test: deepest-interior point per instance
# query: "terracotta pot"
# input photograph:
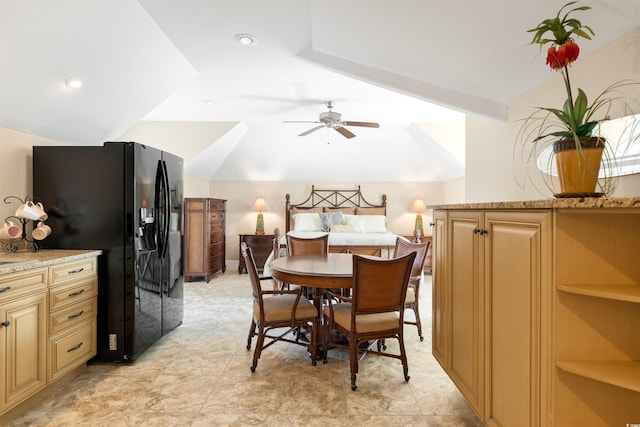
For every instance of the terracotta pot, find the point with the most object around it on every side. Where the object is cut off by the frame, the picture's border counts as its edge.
(578, 170)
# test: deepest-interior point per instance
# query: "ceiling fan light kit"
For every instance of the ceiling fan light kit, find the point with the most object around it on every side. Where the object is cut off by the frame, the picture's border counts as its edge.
(333, 120)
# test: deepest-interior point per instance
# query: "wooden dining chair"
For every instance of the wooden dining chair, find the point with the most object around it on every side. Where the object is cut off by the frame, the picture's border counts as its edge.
(374, 312)
(276, 309)
(307, 245)
(402, 248)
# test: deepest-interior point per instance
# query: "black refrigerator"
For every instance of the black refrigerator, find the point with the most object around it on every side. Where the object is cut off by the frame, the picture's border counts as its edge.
(126, 199)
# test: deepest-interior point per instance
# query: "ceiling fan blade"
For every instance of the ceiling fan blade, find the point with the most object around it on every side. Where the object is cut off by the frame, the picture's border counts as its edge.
(344, 132)
(311, 130)
(363, 124)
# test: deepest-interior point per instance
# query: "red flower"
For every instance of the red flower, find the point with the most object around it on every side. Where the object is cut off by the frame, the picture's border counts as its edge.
(552, 59)
(573, 50)
(564, 55)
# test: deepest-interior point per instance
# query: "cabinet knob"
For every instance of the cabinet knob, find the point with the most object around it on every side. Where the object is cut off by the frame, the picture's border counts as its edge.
(6, 323)
(431, 224)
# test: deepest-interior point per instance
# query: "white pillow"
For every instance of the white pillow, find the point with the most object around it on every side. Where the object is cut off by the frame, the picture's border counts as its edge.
(368, 223)
(307, 222)
(355, 222)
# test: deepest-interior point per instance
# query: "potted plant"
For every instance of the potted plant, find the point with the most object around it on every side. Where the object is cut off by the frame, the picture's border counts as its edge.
(577, 145)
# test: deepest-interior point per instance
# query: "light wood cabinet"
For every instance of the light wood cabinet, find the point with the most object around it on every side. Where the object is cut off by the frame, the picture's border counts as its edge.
(439, 332)
(557, 295)
(596, 340)
(517, 301)
(488, 306)
(23, 335)
(73, 294)
(47, 326)
(205, 240)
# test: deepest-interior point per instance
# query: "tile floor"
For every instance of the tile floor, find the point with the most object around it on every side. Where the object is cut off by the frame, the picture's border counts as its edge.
(198, 375)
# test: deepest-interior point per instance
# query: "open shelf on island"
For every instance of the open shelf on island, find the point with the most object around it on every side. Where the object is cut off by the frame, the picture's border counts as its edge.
(623, 374)
(629, 293)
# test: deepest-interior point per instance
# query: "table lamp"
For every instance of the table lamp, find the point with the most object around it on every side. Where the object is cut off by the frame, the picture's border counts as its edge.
(259, 205)
(418, 206)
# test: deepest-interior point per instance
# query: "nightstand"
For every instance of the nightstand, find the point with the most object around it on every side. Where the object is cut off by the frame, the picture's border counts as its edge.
(261, 245)
(428, 262)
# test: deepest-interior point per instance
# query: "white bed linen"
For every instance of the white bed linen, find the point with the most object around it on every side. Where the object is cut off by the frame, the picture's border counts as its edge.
(341, 239)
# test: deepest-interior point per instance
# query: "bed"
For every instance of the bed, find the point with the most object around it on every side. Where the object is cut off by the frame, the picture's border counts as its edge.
(354, 224)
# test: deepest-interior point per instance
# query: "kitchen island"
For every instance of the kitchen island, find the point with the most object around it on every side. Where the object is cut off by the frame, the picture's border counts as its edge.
(536, 309)
(48, 309)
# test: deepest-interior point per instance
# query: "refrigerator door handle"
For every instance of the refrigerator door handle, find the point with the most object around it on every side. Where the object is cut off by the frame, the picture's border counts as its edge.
(164, 208)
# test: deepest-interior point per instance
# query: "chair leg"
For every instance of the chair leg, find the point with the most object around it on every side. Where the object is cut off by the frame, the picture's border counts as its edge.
(416, 310)
(258, 349)
(403, 358)
(325, 340)
(252, 332)
(313, 345)
(353, 361)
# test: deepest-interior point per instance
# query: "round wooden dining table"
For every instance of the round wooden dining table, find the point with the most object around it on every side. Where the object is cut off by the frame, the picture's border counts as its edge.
(328, 271)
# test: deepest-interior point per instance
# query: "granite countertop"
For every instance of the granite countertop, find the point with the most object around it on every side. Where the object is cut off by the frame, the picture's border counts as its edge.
(27, 260)
(559, 203)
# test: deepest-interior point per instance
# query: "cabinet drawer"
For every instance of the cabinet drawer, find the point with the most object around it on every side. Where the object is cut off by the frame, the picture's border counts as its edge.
(216, 205)
(216, 217)
(62, 296)
(215, 250)
(216, 239)
(67, 271)
(68, 351)
(216, 228)
(16, 284)
(258, 241)
(215, 262)
(67, 317)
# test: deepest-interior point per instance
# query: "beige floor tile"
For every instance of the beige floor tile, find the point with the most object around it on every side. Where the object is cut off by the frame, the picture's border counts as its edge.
(198, 375)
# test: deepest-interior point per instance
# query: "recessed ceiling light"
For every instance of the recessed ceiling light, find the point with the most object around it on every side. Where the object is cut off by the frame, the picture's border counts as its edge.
(208, 101)
(245, 39)
(73, 82)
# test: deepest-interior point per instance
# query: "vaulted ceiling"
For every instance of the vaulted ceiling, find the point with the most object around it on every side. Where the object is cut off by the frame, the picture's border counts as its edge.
(416, 67)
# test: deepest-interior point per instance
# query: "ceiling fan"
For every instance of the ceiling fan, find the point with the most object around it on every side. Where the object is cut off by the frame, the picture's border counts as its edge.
(333, 120)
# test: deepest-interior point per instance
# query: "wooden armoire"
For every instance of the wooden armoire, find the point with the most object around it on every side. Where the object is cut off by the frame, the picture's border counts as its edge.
(204, 237)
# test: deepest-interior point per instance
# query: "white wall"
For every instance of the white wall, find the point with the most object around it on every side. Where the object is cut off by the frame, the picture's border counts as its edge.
(16, 167)
(491, 168)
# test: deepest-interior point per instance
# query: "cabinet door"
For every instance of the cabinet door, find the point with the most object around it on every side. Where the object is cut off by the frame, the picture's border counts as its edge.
(24, 335)
(517, 285)
(439, 289)
(465, 270)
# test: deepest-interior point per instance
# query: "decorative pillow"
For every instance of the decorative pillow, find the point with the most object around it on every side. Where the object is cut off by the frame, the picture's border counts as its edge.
(305, 210)
(343, 228)
(373, 223)
(371, 211)
(367, 223)
(307, 222)
(327, 219)
(355, 221)
(346, 210)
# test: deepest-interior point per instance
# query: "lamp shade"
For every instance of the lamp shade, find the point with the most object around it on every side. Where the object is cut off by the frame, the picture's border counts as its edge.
(418, 205)
(260, 204)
